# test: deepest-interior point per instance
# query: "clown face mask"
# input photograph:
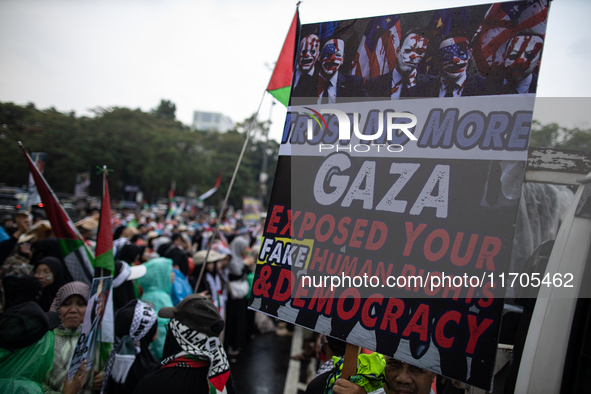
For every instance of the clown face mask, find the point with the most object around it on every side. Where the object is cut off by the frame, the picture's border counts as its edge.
(411, 52)
(454, 54)
(332, 57)
(308, 54)
(523, 56)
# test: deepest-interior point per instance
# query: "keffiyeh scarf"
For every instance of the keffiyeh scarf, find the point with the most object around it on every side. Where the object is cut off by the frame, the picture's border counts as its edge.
(124, 351)
(197, 347)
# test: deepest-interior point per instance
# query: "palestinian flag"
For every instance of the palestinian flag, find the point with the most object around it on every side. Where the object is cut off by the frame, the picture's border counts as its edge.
(280, 83)
(104, 241)
(78, 258)
(208, 193)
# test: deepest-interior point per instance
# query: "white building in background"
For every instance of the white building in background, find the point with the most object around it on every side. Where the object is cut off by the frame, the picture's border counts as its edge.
(208, 121)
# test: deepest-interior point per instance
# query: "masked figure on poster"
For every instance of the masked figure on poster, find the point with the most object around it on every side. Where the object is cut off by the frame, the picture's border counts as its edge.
(403, 80)
(454, 81)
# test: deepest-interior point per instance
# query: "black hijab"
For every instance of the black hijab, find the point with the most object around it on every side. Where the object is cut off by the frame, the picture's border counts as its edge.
(48, 293)
(49, 247)
(180, 259)
(129, 252)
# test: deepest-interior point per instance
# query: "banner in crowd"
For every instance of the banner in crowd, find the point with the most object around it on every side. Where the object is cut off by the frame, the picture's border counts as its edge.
(39, 158)
(82, 184)
(393, 210)
(251, 210)
(91, 326)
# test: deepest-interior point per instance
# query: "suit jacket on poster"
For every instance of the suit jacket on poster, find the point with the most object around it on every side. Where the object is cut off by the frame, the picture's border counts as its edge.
(382, 86)
(475, 85)
(347, 86)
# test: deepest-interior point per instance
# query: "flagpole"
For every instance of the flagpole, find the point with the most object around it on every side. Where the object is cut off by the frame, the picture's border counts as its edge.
(217, 223)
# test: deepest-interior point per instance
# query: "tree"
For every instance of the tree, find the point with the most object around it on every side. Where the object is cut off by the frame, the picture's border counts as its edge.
(166, 110)
(554, 136)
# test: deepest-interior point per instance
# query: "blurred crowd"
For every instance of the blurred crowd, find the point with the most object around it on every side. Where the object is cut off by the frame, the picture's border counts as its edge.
(173, 275)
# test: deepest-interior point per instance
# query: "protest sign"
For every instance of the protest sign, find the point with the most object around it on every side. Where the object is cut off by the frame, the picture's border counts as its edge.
(396, 192)
(91, 326)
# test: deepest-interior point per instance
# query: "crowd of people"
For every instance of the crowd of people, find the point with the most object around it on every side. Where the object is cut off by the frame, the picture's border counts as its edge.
(180, 293)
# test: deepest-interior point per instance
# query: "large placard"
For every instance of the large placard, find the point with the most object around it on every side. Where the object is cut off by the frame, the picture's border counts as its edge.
(393, 210)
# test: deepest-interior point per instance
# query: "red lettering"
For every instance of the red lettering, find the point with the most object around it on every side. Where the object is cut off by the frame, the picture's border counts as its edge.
(285, 276)
(391, 315)
(408, 270)
(455, 250)
(476, 330)
(342, 230)
(422, 328)
(350, 314)
(290, 220)
(434, 256)
(323, 299)
(411, 236)
(489, 294)
(318, 259)
(357, 233)
(331, 223)
(332, 269)
(307, 224)
(348, 268)
(366, 269)
(300, 293)
(274, 219)
(439, 336)
(486, 254)
(375, 227)
(366, 319)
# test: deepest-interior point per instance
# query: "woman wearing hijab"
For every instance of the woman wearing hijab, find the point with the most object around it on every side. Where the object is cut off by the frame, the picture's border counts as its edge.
(156, 285)
(70, 303)
(49, 271)
(131, 358)
(237, 306)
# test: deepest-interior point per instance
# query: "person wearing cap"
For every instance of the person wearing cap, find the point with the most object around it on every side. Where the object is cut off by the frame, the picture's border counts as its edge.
(194, 358)
(131, 358)
(26, 348)
(70, 304)
(156, 285)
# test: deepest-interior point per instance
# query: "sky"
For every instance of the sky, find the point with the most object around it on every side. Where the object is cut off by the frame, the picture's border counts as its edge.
(217, 55)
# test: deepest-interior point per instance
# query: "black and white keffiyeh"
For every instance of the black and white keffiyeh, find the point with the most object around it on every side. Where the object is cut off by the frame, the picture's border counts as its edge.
(126, 348)
(199, 345)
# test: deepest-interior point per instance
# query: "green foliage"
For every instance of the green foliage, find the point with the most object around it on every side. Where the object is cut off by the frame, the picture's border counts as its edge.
(554, 136)
(150, 150)
(166, 110)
